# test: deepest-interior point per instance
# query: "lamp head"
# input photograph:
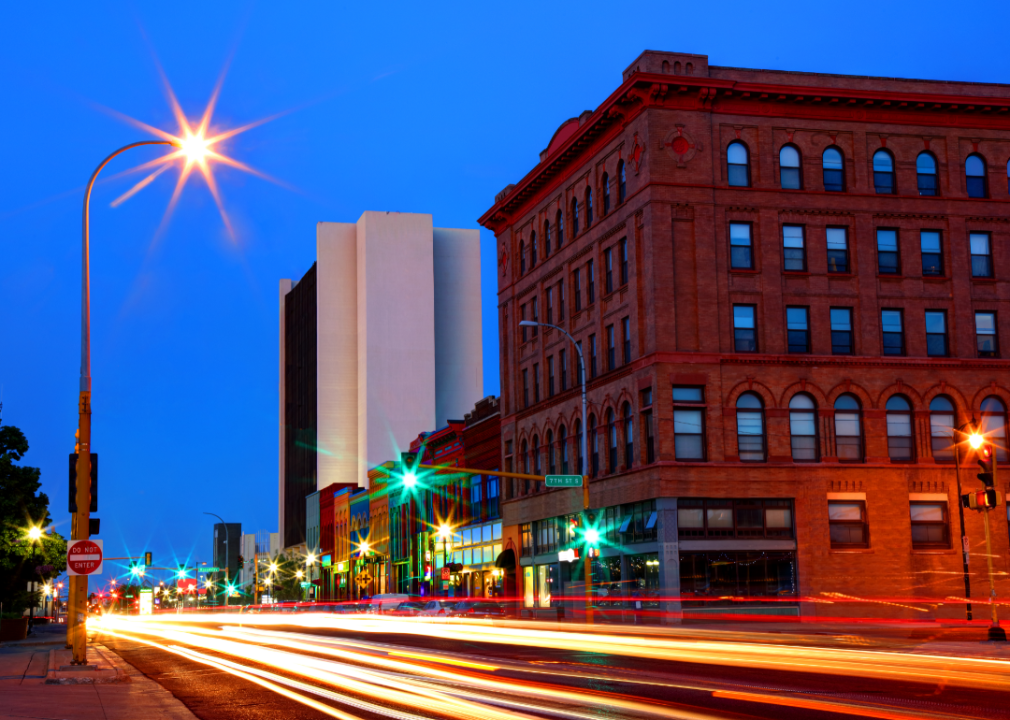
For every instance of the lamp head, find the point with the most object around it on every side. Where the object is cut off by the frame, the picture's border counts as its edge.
(975, 440)
(409, 479)
(34, 533)
(528, 323)
(194, 147)
(444, 531)
(364, 548)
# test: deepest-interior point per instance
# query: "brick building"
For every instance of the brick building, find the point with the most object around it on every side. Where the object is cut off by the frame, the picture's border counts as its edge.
(789, 288)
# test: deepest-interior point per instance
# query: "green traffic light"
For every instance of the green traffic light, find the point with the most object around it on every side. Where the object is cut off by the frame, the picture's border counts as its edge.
(592, 536)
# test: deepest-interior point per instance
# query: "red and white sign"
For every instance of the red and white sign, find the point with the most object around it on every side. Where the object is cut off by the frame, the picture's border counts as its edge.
(84, 557)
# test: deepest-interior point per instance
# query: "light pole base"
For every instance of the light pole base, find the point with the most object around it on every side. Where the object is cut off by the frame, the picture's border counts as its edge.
(996, 634)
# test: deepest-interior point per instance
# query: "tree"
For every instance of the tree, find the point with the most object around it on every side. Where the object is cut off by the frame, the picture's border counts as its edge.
(285, 584)
(22, 507)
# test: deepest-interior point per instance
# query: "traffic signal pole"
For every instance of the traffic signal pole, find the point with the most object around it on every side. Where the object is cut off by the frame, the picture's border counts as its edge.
(996, 633)
(964, 535)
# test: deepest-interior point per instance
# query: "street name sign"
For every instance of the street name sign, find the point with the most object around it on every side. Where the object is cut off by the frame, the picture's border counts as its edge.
(564, 481)
(84, 557)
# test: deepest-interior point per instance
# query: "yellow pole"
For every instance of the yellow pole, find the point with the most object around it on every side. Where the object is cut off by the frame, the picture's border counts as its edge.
(76, 625)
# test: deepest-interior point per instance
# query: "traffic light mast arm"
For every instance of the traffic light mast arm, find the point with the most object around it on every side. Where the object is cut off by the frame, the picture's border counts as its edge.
(470, 471)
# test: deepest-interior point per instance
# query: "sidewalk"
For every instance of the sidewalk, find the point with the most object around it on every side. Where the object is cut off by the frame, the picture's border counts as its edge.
(34, 685)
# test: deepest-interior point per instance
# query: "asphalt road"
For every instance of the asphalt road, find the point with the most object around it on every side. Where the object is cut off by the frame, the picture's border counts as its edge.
(423, 672)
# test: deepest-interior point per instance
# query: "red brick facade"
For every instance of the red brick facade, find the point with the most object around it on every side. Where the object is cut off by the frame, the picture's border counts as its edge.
(671, 130)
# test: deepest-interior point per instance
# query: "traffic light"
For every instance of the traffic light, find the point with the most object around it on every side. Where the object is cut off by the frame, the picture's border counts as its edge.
(986, 460)
(981, 499)
(408, 468)
(73, 482)
(241, 561)
(94, 525)
(147, 559)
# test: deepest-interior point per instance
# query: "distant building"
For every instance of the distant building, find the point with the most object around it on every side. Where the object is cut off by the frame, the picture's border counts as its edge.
(227, 548)
(380, 339)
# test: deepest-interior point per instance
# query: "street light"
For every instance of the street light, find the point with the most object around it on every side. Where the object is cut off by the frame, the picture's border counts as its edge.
(585, 454)
(78, 603)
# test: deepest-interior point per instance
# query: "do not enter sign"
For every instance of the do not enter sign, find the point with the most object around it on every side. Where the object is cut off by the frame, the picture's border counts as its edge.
(84, 557)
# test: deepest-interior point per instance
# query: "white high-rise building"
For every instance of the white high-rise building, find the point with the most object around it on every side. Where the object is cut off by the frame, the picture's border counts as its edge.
(379, 341)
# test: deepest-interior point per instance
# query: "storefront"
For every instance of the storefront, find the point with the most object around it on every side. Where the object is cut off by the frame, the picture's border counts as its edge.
(475, 548)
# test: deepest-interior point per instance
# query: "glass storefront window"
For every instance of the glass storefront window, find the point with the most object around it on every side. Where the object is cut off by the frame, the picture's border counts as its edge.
(457, 557)
(714, 577)
(486, 533)
(543, 586)
(497, 531)
(497, 551)
(487, 554)
(528, 587)
(466, 537)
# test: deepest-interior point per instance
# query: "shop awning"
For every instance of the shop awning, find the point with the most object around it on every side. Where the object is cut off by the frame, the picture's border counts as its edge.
(506, 560)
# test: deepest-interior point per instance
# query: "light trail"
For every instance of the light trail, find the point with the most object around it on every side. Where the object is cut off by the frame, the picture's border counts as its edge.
(418, 683)
(665, 644)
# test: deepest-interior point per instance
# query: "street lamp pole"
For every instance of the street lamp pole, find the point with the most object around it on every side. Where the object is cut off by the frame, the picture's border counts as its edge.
(587, 561)
(960, 513)
(77, 600)
(227, 582)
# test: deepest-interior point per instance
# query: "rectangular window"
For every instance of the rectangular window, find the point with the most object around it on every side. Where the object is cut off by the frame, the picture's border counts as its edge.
(838, 250)
(932, 255)
(561, 300)
(563, 363)
(894, 335)
(536, 382)
(841, 331)
(744, 328)
(847, 524)
(526, 535)
(985, 334)
(592, 356)
(650, 441)
(741, 518)
(611, 348)
(688, 423)
(798, 330)
(608, 263)
(794, 256)
(526, 387)
(550, 376)
(522, 316)
(741, 255)
(981, 255)
(930, 528)
(941, 435)
(887, 252)
(550, 305)
(578, 289)
(590, 283)
(936, 333)
(535, 312)
(623, 245)
(626, 332)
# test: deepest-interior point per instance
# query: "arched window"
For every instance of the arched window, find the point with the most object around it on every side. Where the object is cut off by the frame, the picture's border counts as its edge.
(589, 207)
(559, 221)
(629, 437)
(974, 176)
(848, 429)
(594, 440)
(524, 451)
(563, 444)
(789, 167)
(925, 170)
(533, 250)
(883, 172)
(551, 466)
(606, 193)
(622, 181)
(612, 445)
(941, 428)
(834, 170)
(547, 238)
(803, 428)
(522, 258)
(575, 217)
(750, 428)
(738, 167)
(536, 455)
(994, 426)
(581, 469)
(899, 429)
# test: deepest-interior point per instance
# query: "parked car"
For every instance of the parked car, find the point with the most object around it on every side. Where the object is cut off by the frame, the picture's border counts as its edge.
(438, 608)
(408, 608)
(386, 602)
(477, 609)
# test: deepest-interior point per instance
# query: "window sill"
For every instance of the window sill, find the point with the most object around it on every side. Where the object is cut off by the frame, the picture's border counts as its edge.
(984, 280)
(935, 278)
(797, 273)
(933, 551)
(853, 550)
(744, 271)
(890, 276)
(841, 274)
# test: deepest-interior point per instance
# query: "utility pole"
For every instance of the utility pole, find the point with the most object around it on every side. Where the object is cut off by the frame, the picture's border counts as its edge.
(964, 535)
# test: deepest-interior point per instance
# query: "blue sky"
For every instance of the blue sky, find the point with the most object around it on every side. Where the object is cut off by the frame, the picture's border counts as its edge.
(386, 107)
